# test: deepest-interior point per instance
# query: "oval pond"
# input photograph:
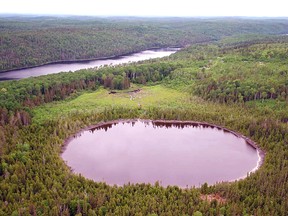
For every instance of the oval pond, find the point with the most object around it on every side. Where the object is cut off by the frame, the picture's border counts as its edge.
(143, 151)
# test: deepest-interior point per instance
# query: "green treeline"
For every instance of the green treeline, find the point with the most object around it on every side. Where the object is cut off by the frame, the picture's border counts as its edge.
(34, 180)
(239, 82)
(239, 73)
(17, 97)
(223, 73)
(30, 41)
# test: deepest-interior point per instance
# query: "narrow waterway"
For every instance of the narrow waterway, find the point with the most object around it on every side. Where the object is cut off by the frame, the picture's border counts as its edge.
(73, 66)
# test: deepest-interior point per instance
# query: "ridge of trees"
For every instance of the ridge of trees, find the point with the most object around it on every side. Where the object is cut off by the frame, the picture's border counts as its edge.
(238, 72)
(17, 97)
(223, 73)
(31, 41)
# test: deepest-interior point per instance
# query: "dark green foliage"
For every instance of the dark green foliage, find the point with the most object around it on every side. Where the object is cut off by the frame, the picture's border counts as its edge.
(45, 181)
(30, 41)
(17, 97)
(239, 72)
(248, 78)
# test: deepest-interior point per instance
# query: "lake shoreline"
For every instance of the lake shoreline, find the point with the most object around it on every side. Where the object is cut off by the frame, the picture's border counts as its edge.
(90, 59)
(261, 153)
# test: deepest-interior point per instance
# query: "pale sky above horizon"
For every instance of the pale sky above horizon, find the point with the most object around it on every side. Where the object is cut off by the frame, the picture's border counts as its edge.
(256, 8)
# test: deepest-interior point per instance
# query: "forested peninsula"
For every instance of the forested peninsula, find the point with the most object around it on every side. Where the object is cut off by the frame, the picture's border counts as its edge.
(231, 72)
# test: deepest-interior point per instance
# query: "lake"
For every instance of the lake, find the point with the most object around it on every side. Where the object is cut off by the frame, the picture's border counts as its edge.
(73, 66)
(173, 153)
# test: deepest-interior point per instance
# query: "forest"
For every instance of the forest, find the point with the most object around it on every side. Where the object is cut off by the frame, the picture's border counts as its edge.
(29, 41)
(233, 75)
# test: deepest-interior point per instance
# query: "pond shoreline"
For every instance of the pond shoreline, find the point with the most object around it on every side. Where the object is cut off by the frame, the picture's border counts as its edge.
(260, 152)
(250, 142)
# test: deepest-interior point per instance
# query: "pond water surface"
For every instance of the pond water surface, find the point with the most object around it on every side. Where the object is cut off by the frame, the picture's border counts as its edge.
(142, 151)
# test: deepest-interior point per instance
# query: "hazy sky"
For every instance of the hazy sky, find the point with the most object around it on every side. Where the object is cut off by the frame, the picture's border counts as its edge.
(272, 8)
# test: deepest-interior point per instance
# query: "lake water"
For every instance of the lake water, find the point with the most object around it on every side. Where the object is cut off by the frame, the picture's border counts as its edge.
(143, 151)
(66, 67)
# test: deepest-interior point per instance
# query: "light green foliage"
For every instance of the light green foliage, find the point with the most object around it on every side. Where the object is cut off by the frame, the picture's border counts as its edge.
(197, 213)
(97, 101)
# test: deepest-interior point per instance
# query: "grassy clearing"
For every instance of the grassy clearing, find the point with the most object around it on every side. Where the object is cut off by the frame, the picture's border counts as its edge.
(148, 96)
(156, 96)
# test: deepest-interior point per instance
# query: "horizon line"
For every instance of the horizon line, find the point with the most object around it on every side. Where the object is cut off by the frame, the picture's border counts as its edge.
(138, 16)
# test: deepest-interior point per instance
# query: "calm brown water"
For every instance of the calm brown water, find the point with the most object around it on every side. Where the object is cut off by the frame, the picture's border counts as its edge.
(173, 154)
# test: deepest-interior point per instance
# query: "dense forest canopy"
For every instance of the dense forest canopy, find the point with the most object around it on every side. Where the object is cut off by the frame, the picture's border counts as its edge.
(235, 80)
(29, 41)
